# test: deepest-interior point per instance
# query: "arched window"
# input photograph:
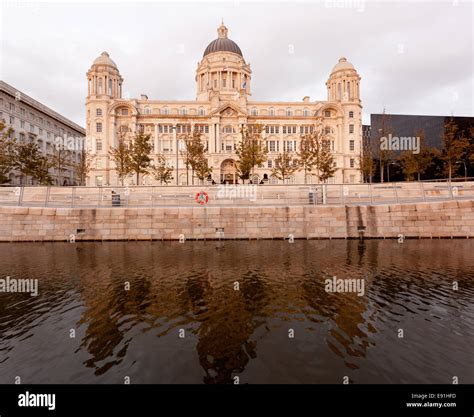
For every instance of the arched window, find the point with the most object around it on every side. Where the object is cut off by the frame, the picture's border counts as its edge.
(201, 111)
(289, 112)
(165, 110)
(184, 111)
(147, 110)
(271, 111)
(305, 112)
(254, 112)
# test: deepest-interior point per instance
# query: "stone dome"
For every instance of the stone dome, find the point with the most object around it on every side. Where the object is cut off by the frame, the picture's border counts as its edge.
(222, 43)
(343, 64)
(104, 59)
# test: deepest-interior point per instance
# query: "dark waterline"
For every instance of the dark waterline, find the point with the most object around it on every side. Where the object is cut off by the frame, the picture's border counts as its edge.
(241, 333)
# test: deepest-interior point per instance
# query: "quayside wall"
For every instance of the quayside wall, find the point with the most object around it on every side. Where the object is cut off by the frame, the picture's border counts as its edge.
(435, 219)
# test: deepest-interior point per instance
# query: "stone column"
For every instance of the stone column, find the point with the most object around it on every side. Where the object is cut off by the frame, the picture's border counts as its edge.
(157, 145)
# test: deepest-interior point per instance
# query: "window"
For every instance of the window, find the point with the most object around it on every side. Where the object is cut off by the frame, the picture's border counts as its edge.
(351, 145)
(147, 110)
(351, 128)
(289, 112)
(22, 124)
(228, 129)
(306, 129)
(22, 111)
(270, 163)
(40, 132)
(41, 121)
(351, 114)
(110, 87)
(12, 107)
(124, 112)
(327, 130)
(271, 112)
(327, 113)
(12, 120)
(305, 112)
(254, 112)
(32, 128)
(272, 129)
(201, 112)
(352, 163)
(22, 137)
(98, 112)
(98, 127)
(165, 110)
(184, 111)
(98, 181)
(271, 146)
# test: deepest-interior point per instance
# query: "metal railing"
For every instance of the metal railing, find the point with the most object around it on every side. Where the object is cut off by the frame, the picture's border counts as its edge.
(238, 195)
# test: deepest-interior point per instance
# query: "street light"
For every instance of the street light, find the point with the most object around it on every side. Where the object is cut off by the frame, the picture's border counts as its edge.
(465, 169)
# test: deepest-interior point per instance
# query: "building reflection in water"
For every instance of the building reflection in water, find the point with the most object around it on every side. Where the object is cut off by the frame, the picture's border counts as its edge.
(191, 286)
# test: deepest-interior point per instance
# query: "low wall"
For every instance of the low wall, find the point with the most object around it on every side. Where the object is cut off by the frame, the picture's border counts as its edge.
(426, 220)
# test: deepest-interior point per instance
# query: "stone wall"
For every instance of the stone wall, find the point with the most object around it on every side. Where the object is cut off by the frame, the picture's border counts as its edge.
(434, 219)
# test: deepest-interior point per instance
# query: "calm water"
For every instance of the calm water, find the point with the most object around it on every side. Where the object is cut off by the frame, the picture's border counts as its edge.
(241, 333)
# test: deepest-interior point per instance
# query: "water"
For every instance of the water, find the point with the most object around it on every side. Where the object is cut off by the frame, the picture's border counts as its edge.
(242, 333)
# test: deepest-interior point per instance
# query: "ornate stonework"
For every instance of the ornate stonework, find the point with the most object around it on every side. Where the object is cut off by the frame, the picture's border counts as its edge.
(222, 107)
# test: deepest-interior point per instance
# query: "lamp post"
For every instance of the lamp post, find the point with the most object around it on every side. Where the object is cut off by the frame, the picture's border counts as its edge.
(174, 127)
(465, 169)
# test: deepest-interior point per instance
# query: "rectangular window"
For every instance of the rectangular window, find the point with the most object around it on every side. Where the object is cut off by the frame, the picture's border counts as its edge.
(351, 128)
(327, 113)
(98, 127)
(98, 145)
(124, 112)
(40, 132)
(22, 124)
(351, 114)
(352, 163)
(270, 163)
(272, 146)
(351, 145)
(12, 107)
(98, 112)
(12, 120)
(22, 137)
(32, 128)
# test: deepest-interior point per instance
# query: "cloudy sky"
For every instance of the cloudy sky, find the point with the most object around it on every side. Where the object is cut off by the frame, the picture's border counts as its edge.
(413, 57)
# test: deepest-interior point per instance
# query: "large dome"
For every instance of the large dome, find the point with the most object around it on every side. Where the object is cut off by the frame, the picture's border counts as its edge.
(343, 64)
(223, 43)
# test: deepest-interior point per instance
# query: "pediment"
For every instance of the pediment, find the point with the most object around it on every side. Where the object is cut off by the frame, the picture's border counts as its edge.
(229, 110)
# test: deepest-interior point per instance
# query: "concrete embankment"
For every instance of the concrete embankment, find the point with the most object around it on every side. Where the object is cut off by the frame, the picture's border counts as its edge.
(442, 219)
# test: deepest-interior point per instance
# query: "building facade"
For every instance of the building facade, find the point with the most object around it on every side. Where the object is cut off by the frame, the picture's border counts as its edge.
(35, 122)
(221, 109)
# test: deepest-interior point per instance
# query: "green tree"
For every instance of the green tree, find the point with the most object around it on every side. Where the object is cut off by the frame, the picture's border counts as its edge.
(8, 147)
(285, 165)
(194, 156)
(140, 149)
(42, 174)
(416, 164)
(202, 169)
(318, 155)
(29, 161)
(161, 171)
(306, 153)
(122, 159)
(60, 161)
(250, 151)
(83, 166)
(455, 146)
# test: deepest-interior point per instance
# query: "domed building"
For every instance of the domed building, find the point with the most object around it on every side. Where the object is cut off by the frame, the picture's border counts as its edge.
(222, 107)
